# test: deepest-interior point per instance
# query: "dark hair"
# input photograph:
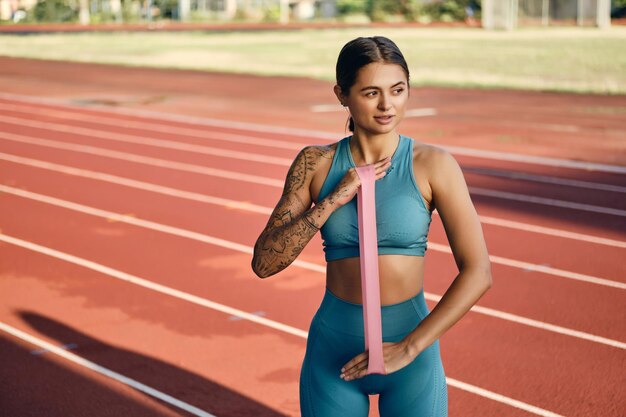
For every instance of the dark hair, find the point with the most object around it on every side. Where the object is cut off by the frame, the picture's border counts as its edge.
(362, 51)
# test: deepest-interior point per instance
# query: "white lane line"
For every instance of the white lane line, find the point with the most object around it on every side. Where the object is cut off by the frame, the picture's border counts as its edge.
(423, 112)
(109, 215)
(255, 208)
(525, 198)
(66, 346)
(232, 175)
(527, 266)
(250, 140)
(228, 310)
(146, 160)
(233, 311)
(141, 140)
(516, 175)
(329, 108)
(537, 160)
(500, 398)
(527, 227)
(246, 156)
(310, 133)
(128, 182)
(302, 264)
(159, 128)
(104, 371)
(325, 108)
(231, 245)
(163, 289)
(156, 116)
(433, 246)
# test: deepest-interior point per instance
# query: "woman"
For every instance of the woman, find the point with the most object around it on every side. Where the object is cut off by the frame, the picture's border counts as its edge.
(412, 179)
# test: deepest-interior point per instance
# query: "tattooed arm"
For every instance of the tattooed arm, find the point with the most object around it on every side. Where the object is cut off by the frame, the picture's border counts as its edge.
(293, 222)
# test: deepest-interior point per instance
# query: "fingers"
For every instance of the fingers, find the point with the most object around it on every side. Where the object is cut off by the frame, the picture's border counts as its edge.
(355, 372)
(381, 170)
(355, 368)
(383, 161)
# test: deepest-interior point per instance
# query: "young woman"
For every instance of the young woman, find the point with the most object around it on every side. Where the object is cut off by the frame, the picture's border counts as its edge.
(412, 179)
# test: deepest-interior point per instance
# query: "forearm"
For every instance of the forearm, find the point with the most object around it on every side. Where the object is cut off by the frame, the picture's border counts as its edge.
(280, 246)
(466, 289)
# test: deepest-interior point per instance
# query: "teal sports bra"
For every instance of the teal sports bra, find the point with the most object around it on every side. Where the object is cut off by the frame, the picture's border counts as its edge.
(402, 219)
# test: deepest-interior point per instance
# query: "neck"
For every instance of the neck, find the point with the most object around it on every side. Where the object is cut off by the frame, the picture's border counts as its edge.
(367, 148)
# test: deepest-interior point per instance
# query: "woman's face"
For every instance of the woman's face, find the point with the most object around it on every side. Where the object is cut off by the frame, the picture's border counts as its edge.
(380, 89)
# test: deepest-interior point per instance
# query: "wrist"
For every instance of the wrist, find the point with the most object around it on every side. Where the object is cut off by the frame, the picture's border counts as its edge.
(334, 200)
(414, 345)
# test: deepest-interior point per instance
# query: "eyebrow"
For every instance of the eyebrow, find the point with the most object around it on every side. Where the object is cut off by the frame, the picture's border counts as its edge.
(377, 88)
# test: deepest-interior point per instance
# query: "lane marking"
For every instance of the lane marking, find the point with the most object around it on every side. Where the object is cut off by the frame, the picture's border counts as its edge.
(324, 108)
(146, 160)
(423, 112)
(237, 246)
(159, 128)
(235, 312)
(145, 140)
(67, 346)
(141, 140)
(255, 208)
(303, 264)
(199, 169)
(537, 160)
(515, 175)
(310, 133)
(251, 140)
(104, 371)
(330, 108)
(525, 198)
(500, 398)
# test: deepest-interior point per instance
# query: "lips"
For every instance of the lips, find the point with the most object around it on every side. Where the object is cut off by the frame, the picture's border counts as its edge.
(384, 119)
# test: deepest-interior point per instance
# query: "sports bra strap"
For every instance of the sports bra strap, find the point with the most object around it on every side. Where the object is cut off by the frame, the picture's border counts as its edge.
(370, 284)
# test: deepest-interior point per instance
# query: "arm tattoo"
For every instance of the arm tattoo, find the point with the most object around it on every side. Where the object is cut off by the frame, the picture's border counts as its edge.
(291, 226)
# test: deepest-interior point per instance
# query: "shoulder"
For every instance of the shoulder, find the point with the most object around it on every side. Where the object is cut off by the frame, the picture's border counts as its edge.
(307, 163)
(432, 159)
(320, 153)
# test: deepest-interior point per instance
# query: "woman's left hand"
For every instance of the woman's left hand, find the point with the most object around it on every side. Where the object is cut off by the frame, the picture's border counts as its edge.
(395, 355)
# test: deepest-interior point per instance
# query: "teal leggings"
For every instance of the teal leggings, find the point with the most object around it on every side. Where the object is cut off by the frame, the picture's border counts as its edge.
(336, 336)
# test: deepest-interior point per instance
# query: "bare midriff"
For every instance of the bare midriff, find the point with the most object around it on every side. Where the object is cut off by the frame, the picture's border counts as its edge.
(401, 278)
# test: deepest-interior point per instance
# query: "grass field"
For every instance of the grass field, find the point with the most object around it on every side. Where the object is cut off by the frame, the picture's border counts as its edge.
(553, 59)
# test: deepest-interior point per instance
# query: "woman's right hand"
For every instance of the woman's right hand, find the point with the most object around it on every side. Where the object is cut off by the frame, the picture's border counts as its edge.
(345, 191)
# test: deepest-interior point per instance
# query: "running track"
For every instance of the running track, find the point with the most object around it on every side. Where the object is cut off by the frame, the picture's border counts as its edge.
(129, 205)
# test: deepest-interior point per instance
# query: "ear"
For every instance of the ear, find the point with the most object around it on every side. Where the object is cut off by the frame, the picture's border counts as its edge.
(339, 94)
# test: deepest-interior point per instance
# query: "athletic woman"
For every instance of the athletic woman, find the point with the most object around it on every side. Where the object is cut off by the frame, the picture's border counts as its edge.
(412, 179)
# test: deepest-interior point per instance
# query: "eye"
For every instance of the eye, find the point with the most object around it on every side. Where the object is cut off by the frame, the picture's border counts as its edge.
(371, 92)
(399, 90)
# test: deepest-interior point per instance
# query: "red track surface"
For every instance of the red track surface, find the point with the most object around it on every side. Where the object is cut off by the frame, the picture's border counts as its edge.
(229, 366)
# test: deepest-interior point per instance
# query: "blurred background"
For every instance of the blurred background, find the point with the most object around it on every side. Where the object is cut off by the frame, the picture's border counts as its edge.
(494, 13)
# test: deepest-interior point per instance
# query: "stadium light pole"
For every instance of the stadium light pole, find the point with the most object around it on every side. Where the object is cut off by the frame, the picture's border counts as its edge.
(545, 13)
(603, 14)
(284, 11)
(183, 9)
(83, 12)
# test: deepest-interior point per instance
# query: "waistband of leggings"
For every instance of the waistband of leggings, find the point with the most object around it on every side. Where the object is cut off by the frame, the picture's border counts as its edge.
(347, 317)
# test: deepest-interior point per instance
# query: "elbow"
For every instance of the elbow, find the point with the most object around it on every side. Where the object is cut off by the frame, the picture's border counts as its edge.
(258, 270)
(486, 273)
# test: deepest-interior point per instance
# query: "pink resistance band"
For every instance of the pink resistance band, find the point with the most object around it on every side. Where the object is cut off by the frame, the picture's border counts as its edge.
(370, 285)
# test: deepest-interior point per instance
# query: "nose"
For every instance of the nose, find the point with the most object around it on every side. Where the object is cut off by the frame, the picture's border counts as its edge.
(385, 102)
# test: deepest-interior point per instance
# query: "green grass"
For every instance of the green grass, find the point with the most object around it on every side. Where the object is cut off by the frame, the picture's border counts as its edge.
(553, 59)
